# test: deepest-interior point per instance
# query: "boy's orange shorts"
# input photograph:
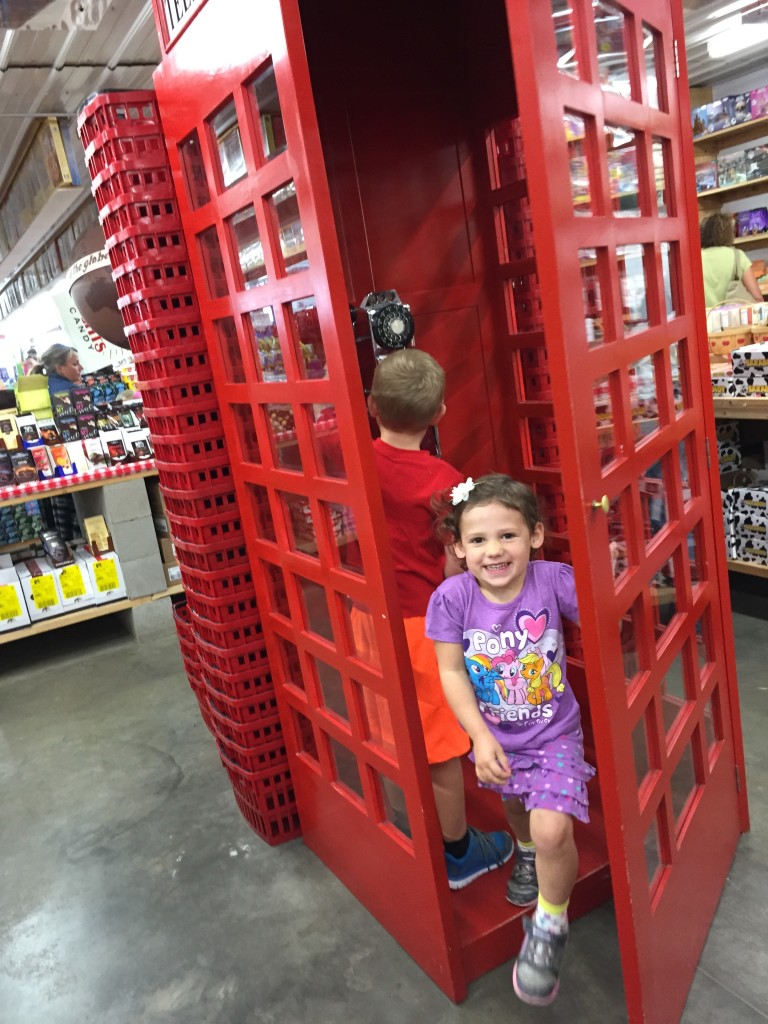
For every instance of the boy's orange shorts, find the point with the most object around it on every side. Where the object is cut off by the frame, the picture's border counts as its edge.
(443, 736)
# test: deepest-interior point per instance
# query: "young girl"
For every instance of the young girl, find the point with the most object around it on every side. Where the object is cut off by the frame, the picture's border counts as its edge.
(532, 753)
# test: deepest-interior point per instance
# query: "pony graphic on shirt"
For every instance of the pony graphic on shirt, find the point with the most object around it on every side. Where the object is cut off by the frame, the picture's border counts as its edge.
(516, 673)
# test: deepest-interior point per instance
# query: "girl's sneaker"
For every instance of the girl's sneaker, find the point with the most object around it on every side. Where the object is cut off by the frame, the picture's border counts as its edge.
(523, 885)
(536, 974)
(486, 852)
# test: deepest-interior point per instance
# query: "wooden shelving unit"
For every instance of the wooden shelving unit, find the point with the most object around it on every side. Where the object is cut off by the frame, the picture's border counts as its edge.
(714, 197)
(752, 241)
(741, 408)
(734, 565)
(748, 131)
(86, 614)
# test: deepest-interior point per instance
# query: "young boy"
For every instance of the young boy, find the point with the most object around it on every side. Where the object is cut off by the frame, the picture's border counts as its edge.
(406, 400)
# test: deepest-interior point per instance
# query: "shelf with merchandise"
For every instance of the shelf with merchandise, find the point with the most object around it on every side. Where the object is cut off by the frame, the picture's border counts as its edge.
(713, 197)
(746, 131)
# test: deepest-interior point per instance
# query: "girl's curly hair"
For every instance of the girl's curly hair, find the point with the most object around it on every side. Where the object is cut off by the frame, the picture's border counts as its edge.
(492, 487)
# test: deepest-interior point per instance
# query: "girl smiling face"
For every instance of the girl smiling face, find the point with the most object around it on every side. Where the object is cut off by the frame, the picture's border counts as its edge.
(496, 543)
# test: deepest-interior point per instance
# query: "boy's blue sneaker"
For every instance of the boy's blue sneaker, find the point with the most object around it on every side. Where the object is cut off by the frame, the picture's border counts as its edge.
(487, 851)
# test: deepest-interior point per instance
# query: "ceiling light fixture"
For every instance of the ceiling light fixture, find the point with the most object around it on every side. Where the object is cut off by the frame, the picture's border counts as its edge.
(736, 35)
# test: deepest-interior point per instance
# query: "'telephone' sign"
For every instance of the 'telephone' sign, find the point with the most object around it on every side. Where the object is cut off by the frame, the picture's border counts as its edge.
(177, 14)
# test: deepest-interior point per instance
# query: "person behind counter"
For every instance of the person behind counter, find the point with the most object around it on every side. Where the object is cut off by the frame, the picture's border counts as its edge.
(61, 365)
(722, 261)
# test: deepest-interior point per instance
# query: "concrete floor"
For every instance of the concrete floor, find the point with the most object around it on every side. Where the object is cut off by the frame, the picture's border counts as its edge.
(134, 893)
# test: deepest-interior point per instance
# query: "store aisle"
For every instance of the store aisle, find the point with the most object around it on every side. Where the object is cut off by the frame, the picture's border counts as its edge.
(132, 890)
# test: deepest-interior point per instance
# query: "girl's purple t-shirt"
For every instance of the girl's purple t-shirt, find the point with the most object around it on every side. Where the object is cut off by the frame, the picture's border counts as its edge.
(514, 653)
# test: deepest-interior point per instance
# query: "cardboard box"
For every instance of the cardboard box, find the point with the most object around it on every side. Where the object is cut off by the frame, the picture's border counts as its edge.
(167, 551)
(8, 430)
(731, 169)
(40, 589)
(75, 587)
(172, 574)
(706, 176)
(13, 607)
(748, 500)
(106, 576)
(750, 537)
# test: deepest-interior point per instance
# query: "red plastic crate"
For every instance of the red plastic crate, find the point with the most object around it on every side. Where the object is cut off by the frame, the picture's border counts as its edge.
(141, 184)
(186, 365)
(246, 738)
(209, 449)
(159, 395)
(273, 827)
(136, 242)
(222, 609)
(248, 657)
(200, 505)
(545, 453)
(212, 531)
(537, 384)
(270, 754)
(237, 686)
(183, 621)
(192, 476)
(111, 145)
(225, 583)
(150, 303)
(226, 634)
(159, 214)
(166, 334)
(137, 108)
(253, 707)
(229, 557)
(149, 272)
(177, 425)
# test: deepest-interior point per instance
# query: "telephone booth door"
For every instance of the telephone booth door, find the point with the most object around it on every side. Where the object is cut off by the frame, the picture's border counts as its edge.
(604, 122)
(238, 115)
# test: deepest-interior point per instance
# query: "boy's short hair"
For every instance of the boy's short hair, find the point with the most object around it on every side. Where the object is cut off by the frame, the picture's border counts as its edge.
(408, 390)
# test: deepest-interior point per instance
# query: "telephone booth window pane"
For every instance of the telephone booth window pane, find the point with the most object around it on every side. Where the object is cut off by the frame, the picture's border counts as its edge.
(652, 850)
(579, 163)
(306, 743)
(345, 766)
(262, 513)
(278, 597)
(683, 783)
(361, 637)
(285, 209)
(305, 327)
(246, 433)
(612, 65)
(651, 45)
(654, 502)
(622, 171)
(622, 557)
(327, 441)
(565, 41)
(643, 398)
(194, 171)
(395, 810)
(640, 748)
(634, 288)
(376, 719)
(673, 693)
(267, 344)
(696, 561)
(632, 639)
(282, 431)
(341, 524)
(331, 689)
(247, 243)
(604, 420)
(704, 652)
(677, 382)
(226, 133)
(289, 658)
(301, 526)
(210, 252)
(660, 153)
(590, 263)
(231, 355)
(669, 265)
(316, 614)
(264, 89)
(713, 722)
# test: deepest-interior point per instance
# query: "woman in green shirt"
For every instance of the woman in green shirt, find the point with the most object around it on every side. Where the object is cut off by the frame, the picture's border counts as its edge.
(720, 258)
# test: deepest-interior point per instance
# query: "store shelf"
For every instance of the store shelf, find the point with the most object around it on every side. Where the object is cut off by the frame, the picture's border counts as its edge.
(741, 408)
(748, 568)
(18, 494)
(747, 131)
(86, 614)
(744, 190)
(752, 241)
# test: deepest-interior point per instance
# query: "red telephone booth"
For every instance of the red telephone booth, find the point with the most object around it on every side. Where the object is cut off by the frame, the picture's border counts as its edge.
(519, 173)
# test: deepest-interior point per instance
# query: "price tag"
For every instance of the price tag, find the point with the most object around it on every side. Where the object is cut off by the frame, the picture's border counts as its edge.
(10, 608)
(71, 582)
(44, 592)
(105, 575)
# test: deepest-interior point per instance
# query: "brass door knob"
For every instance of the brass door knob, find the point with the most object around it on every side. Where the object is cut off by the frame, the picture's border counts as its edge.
(603, 504)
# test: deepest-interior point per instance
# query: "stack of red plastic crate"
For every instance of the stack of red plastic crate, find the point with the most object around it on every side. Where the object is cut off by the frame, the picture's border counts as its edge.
(219, 628)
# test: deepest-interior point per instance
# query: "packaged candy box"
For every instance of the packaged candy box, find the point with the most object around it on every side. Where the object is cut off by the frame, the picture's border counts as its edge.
(758, 102)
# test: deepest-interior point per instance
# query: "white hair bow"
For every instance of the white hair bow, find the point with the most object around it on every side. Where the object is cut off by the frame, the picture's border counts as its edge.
(462, 491)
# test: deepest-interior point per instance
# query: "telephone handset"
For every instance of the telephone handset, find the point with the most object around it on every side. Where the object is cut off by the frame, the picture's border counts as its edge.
(383, 324)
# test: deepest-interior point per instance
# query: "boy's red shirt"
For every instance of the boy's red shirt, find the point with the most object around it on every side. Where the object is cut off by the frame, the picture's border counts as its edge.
(408, 480)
